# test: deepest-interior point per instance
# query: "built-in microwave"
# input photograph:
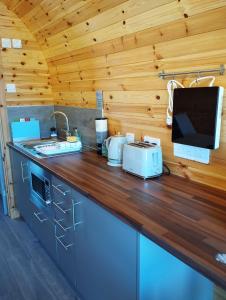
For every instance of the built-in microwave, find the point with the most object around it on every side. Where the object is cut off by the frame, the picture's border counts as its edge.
(40, 182)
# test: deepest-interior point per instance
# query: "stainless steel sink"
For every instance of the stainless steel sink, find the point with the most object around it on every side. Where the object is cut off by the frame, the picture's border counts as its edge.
(48, 147)
(58, 147)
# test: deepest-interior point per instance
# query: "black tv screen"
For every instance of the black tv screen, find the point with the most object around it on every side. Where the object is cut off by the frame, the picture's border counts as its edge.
(197, 116)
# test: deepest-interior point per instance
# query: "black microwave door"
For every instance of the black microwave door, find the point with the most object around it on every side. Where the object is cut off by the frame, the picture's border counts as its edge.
(38, 186)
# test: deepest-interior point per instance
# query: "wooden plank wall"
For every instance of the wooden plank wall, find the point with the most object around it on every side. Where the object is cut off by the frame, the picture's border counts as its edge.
(119, 46)
(25, 67)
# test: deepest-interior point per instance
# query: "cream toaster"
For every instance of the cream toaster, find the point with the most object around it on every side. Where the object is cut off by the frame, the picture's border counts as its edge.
(142, 159)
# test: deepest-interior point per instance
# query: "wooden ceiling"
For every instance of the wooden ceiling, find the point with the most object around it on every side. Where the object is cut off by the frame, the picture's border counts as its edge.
(66, 25)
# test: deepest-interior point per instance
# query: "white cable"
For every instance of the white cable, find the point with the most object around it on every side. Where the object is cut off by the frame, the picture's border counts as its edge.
(171, 85)
(203, 78)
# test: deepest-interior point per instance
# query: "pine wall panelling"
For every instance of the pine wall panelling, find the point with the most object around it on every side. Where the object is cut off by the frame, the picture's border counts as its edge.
(120, 47)
(25, 67)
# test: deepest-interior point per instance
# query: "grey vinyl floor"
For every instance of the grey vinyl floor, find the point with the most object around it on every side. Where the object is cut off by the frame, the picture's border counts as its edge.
(26, 271)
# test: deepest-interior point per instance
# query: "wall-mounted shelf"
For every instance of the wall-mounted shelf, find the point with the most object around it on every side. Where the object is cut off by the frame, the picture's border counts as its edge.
(220, 70)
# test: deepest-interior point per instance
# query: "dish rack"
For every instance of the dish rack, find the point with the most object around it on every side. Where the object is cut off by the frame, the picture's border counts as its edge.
(58, 148)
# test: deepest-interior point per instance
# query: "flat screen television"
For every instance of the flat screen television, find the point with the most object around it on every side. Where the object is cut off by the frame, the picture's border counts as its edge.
(197, 116)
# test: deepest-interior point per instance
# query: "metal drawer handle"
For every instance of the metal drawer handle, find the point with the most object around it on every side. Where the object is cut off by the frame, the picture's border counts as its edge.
(57, 187)
(60, 208)
(22, 171)
(65, 246)
(37, 216)
(77, 223)
(61, 226)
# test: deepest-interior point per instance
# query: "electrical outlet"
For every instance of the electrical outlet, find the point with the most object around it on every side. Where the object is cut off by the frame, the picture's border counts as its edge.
(6, 43)
(16, 43)
(152, 140)
(11, 88)
(130, 137)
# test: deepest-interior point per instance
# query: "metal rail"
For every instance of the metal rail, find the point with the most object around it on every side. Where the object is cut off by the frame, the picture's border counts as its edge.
(220, 70)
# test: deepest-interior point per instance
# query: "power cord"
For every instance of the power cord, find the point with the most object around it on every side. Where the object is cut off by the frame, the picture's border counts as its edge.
(171, 85)
(197, 80)
(166, 169)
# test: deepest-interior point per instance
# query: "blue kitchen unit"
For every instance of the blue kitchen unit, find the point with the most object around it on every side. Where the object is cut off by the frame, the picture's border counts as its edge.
(103, 257)
(3, 197)
(20, 165)
(163, 274)
(106, 254)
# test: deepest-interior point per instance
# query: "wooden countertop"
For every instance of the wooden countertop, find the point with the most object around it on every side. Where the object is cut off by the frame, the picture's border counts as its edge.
(186, 218)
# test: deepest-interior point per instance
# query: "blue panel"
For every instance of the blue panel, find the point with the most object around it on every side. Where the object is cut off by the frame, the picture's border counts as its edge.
(106, 254)
(41, 113)
(2, 188)
(162, 276)
(25, 130)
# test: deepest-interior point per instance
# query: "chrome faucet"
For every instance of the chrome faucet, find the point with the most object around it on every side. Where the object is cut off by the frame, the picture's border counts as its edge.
(66, 119)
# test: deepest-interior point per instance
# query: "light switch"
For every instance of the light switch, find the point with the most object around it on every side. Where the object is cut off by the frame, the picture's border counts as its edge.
(11, 88)
(16, 43)
(192, 153)
(6, 43)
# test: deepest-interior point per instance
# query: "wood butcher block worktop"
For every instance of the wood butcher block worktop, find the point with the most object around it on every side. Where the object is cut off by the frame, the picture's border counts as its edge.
(185, 218)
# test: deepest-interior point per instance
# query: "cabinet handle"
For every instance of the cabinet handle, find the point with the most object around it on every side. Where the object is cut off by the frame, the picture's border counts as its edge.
(60, 208)
(57, 187)
(37, 216)
(65, 246)
(22, 171)
(79, 222)
(61, 226)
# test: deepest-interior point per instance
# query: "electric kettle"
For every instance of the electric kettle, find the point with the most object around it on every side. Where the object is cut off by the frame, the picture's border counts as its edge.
(114, 145)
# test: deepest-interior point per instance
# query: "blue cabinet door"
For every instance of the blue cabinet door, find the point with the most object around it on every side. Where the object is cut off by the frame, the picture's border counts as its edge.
(65, 243)
(63, 205)
(40, 224)
(163, 276)
(43, 227)
(21, 187)
(106, 254)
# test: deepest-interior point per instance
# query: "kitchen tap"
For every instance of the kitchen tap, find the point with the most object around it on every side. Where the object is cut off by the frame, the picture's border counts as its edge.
(66, 119)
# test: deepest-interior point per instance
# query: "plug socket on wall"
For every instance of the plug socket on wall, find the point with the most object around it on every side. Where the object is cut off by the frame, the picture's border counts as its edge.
(152, 140)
